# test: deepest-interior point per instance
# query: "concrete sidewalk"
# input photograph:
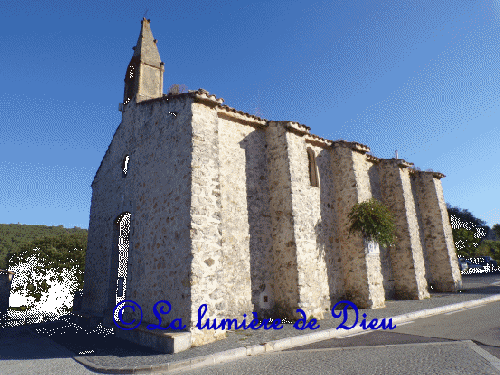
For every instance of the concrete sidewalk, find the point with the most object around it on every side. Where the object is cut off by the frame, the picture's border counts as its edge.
(103, 352)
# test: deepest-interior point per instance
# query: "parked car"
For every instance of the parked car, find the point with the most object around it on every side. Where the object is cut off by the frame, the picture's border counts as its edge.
(496, 269)
(462, 263)
(473, 267)
(487, 262)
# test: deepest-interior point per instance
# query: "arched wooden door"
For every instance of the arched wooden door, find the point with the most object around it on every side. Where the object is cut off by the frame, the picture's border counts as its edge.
(123, 248)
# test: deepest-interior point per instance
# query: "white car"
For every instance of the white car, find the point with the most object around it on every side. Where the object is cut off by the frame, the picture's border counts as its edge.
(462, 263)
(474, 267)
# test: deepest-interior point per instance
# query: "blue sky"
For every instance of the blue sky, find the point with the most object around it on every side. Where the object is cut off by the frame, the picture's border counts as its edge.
(420, 77)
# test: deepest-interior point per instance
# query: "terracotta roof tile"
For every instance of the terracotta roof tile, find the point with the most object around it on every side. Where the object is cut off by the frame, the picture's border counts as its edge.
(313, 138)
(204, 94)
(438, 175)
(353, 145)
(372, 158)
(230, 109)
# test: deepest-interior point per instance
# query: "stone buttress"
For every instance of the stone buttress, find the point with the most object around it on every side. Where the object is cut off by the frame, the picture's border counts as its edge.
(207, 272)
(303, 225)
(363, 281)
(407, 257)
(444, 272)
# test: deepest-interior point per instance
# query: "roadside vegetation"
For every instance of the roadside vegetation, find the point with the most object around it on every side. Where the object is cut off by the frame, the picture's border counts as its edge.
(471, 235)
(12, 236)
(46, 253)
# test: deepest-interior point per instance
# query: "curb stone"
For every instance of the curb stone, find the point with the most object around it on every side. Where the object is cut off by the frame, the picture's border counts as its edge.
(287, 343)
(494, 361)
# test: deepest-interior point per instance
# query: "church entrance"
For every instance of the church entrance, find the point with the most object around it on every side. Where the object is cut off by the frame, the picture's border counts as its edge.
(123, 247)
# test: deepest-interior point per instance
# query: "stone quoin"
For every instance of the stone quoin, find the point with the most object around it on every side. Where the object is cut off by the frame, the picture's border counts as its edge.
(197, 203)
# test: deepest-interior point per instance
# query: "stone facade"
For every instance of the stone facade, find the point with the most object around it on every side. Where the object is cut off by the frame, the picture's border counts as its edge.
(248, 215)
(5, 284)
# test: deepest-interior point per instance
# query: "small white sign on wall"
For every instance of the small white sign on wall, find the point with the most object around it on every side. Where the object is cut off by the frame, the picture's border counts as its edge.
(266, 298)
(372, 247)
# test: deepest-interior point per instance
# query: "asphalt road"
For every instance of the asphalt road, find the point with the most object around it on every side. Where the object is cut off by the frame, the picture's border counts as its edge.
(430, 345)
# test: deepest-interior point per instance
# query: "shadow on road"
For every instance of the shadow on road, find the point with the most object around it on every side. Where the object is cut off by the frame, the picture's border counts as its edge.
(76, 339)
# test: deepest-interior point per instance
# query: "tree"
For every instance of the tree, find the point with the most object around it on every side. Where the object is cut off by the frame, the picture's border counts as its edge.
(46, 261)
(465, 242)
(463, 219)
(489, 248)
(14, 235)
(496, 230)
(373, 221)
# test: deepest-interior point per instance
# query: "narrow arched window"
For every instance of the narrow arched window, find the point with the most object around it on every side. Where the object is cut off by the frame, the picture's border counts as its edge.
(125, 166)
(313, 169)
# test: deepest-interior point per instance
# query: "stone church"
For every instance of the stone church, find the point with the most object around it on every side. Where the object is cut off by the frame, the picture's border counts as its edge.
(198, 203)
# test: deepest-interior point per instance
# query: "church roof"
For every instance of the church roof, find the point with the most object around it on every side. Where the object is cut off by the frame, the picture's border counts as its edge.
(147, 52)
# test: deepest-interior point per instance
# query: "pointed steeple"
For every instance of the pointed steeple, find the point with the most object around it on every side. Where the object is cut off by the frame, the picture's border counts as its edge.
(144, 77)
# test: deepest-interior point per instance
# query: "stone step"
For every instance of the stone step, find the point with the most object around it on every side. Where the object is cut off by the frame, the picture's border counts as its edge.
(165, 341)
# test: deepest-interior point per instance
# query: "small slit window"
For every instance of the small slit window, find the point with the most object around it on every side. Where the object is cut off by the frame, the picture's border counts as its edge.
(125, 166)
(313, 169)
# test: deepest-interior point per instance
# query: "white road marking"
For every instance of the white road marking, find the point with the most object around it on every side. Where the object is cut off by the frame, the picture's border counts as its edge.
(357, 334)
(465, 309)
(402, 324)
(453, 312)
(475, 307)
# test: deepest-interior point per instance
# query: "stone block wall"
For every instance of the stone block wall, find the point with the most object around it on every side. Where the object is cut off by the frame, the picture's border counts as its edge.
(159, 250)
(77, 302)
(407, 257)
(442, 261)
(322, 217)
(383, 252)
(207, 266)
(246, 220)
(420, 222)
(151, 82)
(312, 226)
(285, 269)
(5, 284)
(154, 191)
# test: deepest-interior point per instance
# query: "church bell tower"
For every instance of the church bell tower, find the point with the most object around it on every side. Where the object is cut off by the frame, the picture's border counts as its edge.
(144, 77)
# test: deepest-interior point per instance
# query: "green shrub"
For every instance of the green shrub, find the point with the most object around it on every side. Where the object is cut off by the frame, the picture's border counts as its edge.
(374, 222)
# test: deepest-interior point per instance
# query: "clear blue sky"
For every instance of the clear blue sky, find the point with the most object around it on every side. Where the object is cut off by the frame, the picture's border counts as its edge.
(420, 77)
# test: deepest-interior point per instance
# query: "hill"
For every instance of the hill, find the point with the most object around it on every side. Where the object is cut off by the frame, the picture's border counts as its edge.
(12, 236)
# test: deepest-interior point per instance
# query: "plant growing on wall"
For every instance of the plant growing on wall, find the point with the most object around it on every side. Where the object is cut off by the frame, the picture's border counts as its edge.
(373, 221)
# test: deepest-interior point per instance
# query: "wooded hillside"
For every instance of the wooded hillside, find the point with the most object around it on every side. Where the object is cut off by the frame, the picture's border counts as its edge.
(12, 236)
